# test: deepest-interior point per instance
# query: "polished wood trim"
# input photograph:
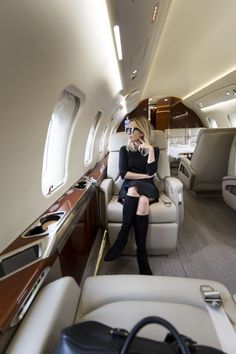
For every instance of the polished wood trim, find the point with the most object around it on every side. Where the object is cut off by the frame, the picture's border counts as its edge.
(14, 290)
(75, 252)
(66, 203)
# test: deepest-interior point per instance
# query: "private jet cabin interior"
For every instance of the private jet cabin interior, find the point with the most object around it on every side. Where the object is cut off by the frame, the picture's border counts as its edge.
(67, 90)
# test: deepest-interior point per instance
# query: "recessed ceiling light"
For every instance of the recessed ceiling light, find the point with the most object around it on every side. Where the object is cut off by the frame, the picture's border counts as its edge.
(154, 13)
(118, 41)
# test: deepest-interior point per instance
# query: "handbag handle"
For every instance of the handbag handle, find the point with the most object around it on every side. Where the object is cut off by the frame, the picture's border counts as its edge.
(158, 320)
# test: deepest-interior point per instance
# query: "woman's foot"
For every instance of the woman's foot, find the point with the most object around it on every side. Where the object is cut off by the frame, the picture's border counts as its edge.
(146, 270)
(143, 265)
(115, 251)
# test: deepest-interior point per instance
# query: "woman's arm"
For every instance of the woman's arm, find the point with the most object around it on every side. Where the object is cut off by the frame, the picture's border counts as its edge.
(133, 175)
(123, 167)
(152, 165)
(153, 156)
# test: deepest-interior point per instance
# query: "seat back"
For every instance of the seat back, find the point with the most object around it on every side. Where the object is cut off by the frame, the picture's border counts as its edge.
(229, 181)
(232, 159)
(211, 154)
(193, 134)
(163, 169)
(115, 142)
(176, 136)
(181, 141)
(119, 139)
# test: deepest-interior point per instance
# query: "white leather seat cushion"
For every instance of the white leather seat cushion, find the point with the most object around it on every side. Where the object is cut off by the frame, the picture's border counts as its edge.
(159, 212)
(189, 320)
(121, 300)
(232, 159)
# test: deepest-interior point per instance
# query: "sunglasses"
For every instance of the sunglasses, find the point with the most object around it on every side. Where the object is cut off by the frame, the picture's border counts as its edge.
(132, 130)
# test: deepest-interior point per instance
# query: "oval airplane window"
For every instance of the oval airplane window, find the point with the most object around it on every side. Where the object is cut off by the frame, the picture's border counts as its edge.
(56, 145)
(91, 137)
(212, 122)
(102, 142)
(232, 119)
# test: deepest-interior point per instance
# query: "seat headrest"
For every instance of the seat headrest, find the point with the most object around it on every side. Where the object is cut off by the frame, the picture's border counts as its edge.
(212, 131)
(159, 139)
(119, 139)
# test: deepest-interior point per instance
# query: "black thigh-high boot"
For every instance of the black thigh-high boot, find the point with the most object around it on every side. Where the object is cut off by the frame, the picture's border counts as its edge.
(129, 212)
(141, 228)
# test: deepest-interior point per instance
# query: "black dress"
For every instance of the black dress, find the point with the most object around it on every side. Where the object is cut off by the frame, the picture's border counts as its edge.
(133, 161)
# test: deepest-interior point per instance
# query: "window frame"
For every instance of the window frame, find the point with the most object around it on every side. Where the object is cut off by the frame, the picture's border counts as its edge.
(60, 128)
(211, 120)
(88, 155)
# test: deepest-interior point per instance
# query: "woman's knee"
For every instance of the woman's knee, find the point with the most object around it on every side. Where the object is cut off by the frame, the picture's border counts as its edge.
(143, 205)
(132, 191)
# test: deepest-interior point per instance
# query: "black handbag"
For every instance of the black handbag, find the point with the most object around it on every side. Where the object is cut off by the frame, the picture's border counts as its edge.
(93, 337)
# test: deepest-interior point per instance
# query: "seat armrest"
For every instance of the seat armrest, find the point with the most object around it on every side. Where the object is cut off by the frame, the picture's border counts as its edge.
(174, 190)
(186, 173)
(106, 191)
(186, 162)
(229, 185)
(229, 178)
(229, 191)
(107, 188)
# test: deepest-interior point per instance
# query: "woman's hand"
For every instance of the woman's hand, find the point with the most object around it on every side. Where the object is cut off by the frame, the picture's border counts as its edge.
(145, 146)
(149, 148)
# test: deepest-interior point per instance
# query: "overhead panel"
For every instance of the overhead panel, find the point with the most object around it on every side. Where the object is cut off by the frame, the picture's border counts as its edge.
(139, 24)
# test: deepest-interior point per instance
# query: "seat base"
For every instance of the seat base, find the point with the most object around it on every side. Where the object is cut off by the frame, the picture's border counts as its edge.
(161, 238)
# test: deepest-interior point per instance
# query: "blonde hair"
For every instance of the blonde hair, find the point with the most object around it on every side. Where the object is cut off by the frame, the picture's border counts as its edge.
(144, 126)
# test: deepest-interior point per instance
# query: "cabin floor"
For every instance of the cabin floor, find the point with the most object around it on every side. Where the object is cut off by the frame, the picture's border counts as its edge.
(206, 246)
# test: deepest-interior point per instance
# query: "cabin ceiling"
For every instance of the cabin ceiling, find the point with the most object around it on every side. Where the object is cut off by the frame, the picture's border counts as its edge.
(189, 46)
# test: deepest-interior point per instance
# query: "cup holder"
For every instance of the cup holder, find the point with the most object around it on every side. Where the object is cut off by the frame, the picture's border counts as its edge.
(44, 225)
(37, 230)
(80, 185)
(48, 221)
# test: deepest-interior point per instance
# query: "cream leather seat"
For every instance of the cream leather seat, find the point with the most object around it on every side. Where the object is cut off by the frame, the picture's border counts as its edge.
(209, 162)
(119, 301)
(176, 142)
(181, 141)
(229, 181)
(165, 216)
(192, 135)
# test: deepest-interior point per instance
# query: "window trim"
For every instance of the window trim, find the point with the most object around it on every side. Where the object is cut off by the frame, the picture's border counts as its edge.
(61, 125)
(210, 120)
(88, 155)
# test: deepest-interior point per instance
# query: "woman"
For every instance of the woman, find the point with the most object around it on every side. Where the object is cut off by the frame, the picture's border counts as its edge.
(137, 164)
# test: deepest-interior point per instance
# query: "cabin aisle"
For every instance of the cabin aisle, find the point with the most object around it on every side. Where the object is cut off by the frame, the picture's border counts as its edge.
(206, 248)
